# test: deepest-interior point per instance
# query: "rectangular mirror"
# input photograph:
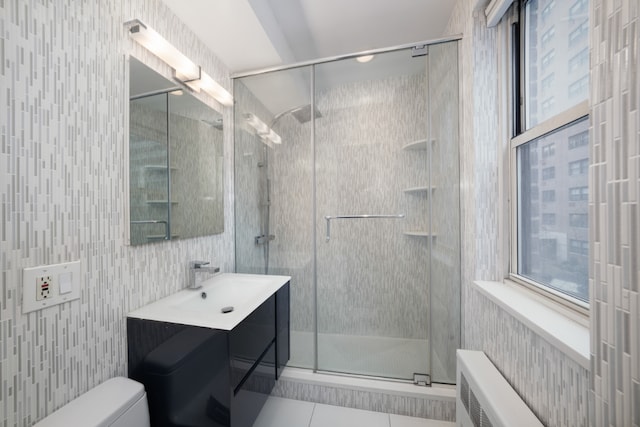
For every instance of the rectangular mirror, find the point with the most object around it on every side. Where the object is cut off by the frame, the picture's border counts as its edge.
(175, 161)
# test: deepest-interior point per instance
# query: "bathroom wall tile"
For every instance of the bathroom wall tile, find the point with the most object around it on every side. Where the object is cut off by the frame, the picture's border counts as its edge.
(615, 168)
(554, 386)
(64, 175)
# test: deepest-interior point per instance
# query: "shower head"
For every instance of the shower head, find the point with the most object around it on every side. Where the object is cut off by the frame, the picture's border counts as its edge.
(302, 113)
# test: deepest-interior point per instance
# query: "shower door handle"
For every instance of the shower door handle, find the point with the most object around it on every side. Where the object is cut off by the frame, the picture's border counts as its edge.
(329, 218)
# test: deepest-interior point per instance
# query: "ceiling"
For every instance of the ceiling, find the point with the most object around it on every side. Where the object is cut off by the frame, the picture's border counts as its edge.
(254, 34)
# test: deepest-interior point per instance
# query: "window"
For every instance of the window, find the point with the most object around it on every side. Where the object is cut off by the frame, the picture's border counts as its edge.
(578, 193)
(547, 37)
(579, 88)
(549, 173)
(546, 12)
(548, 150)
(547, 60)
(578, 9)
(579, 167)
(550, 134)
(577, 36)
(547, 105)
(547, 82)
(548, 219)
(579, 140)
(579, 60)
(580, 247)
(580, 220)
(549, 196)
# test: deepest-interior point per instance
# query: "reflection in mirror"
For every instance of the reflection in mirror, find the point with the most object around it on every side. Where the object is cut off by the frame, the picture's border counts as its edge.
(175, 161)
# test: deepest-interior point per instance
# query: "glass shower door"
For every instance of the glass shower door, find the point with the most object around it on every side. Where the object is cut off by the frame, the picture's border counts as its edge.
(273, 181)
(372, 202)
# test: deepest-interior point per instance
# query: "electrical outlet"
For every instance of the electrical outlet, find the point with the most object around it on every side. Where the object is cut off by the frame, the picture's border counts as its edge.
(43, 287)
(47, 285)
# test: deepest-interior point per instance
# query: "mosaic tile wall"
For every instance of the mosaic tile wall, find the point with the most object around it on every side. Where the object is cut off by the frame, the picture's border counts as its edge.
(64, 175)
(614, 210)
(370, 274)
(533, 367)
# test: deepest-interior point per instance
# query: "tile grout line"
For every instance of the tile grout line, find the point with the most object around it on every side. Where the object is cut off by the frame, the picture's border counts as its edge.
(313, 411)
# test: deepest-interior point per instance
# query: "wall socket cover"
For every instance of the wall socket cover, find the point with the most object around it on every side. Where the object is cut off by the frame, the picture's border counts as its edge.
(68, 273)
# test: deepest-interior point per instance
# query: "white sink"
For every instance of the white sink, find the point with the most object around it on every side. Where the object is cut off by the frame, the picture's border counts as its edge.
(203, 307)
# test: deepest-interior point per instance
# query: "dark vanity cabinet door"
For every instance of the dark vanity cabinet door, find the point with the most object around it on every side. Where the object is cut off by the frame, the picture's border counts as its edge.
(250, 340)
(283, 337)
(185, 372)
(197, 376)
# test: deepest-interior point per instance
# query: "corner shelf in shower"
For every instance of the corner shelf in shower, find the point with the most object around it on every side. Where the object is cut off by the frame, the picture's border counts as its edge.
(418, 190)
(419, 145)
(161, 202)
(419, 234)
(158, 167)
(158, 237)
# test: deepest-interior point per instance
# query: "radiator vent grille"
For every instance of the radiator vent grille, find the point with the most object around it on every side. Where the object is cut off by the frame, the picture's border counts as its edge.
(473, 406)
(485, 398)
(464, 392)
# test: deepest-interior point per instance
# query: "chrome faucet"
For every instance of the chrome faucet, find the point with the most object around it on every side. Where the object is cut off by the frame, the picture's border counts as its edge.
(196, 267)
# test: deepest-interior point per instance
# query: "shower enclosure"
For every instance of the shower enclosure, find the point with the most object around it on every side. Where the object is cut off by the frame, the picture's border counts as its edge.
(346, 179)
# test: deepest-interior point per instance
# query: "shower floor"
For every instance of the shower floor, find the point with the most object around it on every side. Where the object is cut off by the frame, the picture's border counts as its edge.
(363, 355)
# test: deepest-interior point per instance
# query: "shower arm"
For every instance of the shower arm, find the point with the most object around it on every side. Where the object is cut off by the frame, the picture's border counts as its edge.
(329, 218)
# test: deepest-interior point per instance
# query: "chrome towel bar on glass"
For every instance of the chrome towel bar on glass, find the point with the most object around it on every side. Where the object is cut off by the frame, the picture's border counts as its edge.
(329, 218)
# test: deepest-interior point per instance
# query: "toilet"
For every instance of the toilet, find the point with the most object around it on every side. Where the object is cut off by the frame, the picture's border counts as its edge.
(117, 402)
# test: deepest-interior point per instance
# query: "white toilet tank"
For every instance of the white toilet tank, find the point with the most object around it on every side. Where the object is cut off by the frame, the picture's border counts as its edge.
(118, 402)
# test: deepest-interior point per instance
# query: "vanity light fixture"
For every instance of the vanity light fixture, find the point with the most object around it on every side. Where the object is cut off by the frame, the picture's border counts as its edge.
(185, 70)
(262, 130)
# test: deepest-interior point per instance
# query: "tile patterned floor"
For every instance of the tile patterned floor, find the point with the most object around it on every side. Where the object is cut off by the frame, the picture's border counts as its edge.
(279, 412)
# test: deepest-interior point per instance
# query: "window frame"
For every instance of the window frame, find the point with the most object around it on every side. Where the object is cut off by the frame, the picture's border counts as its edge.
(519, 136)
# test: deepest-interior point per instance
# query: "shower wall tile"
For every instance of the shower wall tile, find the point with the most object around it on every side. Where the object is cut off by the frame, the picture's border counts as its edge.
(614, 211)
(64, 180)
(552, 384)
(372, 279)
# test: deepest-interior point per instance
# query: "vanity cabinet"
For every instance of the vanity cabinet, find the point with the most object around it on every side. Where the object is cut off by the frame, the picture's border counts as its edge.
(198, 376)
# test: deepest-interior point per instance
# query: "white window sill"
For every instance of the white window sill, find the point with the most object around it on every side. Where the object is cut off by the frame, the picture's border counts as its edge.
(563, 332)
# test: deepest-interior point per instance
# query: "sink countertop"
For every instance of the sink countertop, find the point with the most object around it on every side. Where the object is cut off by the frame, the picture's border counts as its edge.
(244, 292)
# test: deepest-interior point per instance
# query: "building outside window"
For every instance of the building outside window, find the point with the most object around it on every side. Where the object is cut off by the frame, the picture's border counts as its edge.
(549, 173)
(551, 134)
(579, 220)
(579, 140)
(548, 219)
(579, 167)
(548, 150)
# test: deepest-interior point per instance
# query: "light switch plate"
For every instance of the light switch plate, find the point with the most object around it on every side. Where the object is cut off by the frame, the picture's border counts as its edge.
(66, 277)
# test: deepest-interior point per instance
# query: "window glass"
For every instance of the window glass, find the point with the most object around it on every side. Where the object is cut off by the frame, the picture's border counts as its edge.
(552, 234)
(556, 52)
